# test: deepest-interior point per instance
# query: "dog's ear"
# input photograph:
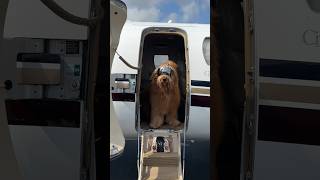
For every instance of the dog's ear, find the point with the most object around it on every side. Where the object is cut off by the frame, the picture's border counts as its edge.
(154, 74)
(173, 64)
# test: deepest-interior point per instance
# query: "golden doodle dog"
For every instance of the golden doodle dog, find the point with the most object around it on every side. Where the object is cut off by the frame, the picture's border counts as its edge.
(165, 95)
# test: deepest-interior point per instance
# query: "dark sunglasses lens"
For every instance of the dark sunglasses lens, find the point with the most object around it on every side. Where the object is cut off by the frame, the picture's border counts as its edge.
(165, 70)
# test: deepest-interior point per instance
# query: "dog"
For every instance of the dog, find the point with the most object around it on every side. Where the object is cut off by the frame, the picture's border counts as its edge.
(164, 95)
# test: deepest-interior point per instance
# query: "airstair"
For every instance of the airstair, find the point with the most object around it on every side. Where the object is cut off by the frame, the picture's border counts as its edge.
(160, 154)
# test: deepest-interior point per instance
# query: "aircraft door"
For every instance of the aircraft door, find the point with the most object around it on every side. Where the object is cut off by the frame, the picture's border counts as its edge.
(281, 124)
(41, 66)
(118, 15)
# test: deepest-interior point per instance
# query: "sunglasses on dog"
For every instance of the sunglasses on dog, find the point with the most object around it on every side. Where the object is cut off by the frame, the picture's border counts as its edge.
(165, 70)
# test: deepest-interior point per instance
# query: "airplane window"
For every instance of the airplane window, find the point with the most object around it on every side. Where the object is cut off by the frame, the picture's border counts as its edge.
(158, 59)
(206, 49)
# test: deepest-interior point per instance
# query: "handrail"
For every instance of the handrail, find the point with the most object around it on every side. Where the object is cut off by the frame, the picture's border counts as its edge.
(59, 11)
(124, 61)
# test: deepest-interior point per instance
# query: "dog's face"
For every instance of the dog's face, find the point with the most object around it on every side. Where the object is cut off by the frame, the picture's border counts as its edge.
(166, 75)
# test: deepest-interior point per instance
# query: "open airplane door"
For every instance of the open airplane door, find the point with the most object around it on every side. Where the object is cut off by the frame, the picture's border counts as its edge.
(281, 129)
(118, 16)
(162, 151)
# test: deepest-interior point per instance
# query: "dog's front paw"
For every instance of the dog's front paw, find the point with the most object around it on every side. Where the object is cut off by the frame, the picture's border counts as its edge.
(155, 124)
(174, 123)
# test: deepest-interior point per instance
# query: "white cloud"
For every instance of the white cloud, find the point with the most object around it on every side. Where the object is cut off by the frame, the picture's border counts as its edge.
(142, 3)
(150, 14)
(205, 5)
(149, 10)
(190, 11)
(172, 16)
(143, 10)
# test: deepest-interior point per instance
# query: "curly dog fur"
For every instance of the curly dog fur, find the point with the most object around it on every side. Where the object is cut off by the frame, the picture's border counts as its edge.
(164, 96)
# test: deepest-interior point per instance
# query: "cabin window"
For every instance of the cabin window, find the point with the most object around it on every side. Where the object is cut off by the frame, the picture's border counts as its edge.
(206, 50)
(158, 59)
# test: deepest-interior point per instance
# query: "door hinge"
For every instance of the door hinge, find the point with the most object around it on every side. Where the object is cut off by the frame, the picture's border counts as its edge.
(84, 174)
(248, 175)
(251, 24)
(250, 124)
(251, 72)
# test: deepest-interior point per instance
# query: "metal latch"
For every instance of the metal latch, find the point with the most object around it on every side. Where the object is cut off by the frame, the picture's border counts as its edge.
(123, 83)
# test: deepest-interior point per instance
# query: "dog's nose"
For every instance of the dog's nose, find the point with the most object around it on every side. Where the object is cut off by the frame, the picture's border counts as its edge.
(164, 79)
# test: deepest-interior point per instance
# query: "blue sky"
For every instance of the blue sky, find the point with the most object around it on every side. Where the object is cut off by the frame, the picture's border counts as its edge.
(179, 11)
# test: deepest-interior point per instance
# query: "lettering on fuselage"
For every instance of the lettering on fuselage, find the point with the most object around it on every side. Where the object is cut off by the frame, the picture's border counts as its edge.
(311, 38)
